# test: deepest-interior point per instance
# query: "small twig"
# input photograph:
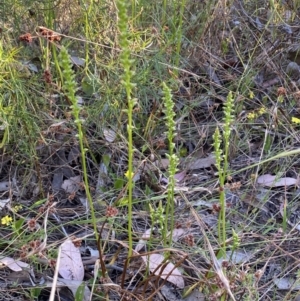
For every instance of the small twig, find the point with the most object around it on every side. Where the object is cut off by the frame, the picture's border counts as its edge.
(53, 288)
(103, 267)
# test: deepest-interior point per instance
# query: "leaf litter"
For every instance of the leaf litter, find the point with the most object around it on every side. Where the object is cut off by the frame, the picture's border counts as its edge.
(71, 268)
(273, 181)
(168, 271)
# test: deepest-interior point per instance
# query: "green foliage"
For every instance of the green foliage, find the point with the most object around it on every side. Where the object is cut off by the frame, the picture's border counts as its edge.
(18, 107)
(222, 164)
(70, 88)
(79, 296)
(127, 63)
(129, 49)
(174, 160)
(158, 216)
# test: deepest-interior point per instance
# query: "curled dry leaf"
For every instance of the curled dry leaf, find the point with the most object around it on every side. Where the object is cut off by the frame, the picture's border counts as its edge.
(72, 270)
(109, 135)
(236, 257)
(178, 233)
(71, 185)
(168, 292)
(4, 186)
(78, 61)
(163, 163)
(294, 225)
(14, 265)
(164, 270)
(70, 264)
(202, 163)
(137, 176)
(287, 283)
(273, 181)
(103, 174)
(32, 67)
(178, 177)
(142, 242)
(73, 285)
(3, 203)
(80, 100)
(93, 252)
(57, 124)
(195, 295)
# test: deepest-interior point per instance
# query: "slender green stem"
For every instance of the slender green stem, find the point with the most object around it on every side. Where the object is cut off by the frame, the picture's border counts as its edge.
(88, 12)
(223, 214)
(50, 15)
(178, 34)
(133, 10)
(130, 170)
(170, 115)
(164, 12)
(222, 163)
(70, 89)
(56, 62)
(127, 63)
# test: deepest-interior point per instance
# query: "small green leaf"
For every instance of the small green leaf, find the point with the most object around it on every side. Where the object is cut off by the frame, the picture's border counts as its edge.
(87, 86)
(122, 202)
(17, 226)
(119, 183)
(106, 160)
(38, 203)
(144, 148)
(79, 296)
(148, 191)
(35, 292)
(183, 152)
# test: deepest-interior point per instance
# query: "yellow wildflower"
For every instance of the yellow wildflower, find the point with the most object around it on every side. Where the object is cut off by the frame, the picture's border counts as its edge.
(17, 208)
(262, 110)
(280, 98)
(6, 220)
(251, 116)
(127, 174)
(295, 120)
(251, 95)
